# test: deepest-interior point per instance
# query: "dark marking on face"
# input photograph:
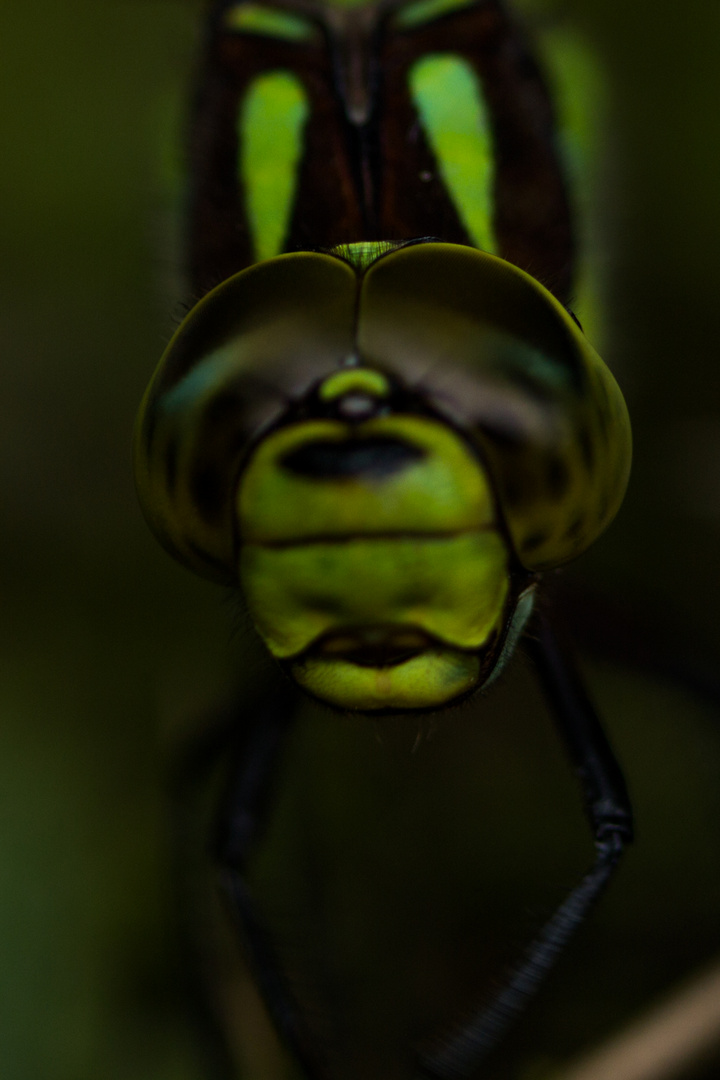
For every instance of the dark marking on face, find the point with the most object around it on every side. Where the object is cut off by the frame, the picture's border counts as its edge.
(374, 458)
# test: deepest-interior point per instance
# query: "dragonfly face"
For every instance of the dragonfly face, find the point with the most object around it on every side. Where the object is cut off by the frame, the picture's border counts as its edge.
(371, 557)
(387, 440)
(385, 456)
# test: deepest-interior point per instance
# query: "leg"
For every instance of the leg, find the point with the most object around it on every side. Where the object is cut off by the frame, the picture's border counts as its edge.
(244, 814)
(608, 809)
(222, 733)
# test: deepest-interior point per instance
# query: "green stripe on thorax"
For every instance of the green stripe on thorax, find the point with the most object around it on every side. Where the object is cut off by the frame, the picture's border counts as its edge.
(271, 122)
(425, 11)
(268, 22)
(449, 99)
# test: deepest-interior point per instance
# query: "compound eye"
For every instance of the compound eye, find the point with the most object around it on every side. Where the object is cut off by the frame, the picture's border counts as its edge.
(264, 338)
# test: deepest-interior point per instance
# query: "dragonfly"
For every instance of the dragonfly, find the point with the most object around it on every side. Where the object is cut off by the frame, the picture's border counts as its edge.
(381, 421)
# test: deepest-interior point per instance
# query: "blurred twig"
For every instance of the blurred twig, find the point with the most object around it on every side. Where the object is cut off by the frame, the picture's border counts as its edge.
(664, 1043)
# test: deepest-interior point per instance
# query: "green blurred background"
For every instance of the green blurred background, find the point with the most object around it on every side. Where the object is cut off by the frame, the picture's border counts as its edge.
(399, 882)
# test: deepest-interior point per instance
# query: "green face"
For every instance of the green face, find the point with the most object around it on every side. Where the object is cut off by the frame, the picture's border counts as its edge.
(371, 556)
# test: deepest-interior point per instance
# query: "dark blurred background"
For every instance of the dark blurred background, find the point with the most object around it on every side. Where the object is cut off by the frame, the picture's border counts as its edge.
(400, 882)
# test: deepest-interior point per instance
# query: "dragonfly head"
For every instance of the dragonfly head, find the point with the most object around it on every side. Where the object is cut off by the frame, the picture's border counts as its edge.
(385, 457)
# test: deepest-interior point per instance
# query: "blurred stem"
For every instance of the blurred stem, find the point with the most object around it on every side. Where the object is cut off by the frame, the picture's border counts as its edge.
(666, 1042)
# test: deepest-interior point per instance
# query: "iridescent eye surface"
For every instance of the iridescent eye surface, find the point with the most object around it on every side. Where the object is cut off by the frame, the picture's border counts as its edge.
(497, 354)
